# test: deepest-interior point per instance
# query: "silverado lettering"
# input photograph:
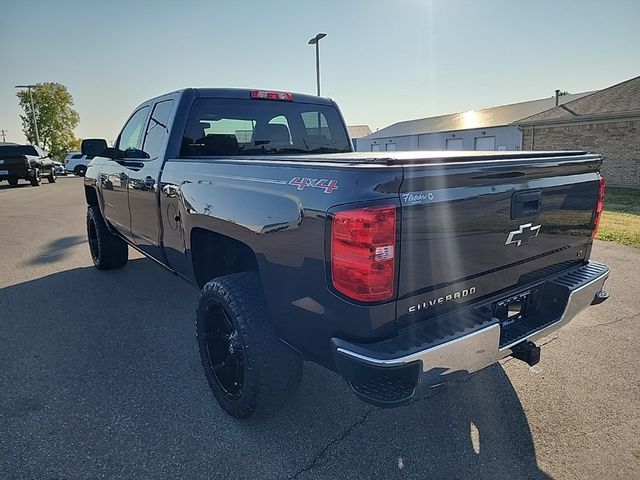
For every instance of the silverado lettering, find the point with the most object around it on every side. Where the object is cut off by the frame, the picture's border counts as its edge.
(440, 300)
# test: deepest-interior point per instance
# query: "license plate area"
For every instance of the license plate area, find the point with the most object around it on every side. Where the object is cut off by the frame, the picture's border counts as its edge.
(512, 309)
(4, 172)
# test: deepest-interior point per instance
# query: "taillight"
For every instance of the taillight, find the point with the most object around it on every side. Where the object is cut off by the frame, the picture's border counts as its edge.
(270, 95)
(599, 207)
(363, 244)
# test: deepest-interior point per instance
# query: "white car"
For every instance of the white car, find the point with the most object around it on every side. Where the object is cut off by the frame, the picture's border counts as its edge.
(77, 163)
(59, 168)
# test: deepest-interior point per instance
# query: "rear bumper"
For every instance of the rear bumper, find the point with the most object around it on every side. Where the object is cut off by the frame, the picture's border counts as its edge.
(387, 373)
(15, 171)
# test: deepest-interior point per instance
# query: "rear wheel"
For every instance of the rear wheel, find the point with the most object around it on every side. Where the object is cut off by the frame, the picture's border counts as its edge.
(13, 181)
(245, 363)
(36, 179)
(80, 170)
(108, 251)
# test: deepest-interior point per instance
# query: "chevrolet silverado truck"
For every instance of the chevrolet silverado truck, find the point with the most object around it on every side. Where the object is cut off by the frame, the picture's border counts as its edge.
(392, 269)
(28, 162)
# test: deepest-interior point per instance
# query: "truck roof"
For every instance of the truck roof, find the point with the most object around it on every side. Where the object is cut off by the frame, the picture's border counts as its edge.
(244, 93)
(241, 93)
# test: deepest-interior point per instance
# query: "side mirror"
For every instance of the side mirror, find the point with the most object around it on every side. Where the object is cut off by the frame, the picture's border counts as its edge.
(93, 147)
(113, 153)
(49, 155)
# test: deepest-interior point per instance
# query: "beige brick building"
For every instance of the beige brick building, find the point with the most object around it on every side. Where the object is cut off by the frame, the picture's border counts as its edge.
(606, 122)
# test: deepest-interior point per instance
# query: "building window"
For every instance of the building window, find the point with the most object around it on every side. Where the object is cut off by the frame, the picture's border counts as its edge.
(454, 144)
(375, 147)
(391, 147)
(485, 143)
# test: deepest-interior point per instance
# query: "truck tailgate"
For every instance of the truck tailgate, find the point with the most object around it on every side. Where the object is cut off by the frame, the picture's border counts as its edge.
(473, 229)
(14, 165)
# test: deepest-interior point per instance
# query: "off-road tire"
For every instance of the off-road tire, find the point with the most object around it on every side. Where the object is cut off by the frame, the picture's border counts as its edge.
(36, 179)
(13, 182)
(108, 251)
(52, 177)
(80, 170)
(272, 370)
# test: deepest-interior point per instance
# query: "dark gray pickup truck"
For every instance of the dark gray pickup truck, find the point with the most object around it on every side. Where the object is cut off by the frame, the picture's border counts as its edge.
(392, 269)
(28, 162)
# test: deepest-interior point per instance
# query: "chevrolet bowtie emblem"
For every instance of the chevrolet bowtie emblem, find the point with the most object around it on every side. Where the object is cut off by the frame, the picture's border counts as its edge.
(523, 234)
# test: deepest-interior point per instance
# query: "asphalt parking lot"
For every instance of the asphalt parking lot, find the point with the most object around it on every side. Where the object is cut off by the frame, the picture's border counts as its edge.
(100, 378)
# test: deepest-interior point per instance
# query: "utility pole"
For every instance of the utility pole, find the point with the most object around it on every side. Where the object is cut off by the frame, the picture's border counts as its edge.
(3, 133)
(33, 111)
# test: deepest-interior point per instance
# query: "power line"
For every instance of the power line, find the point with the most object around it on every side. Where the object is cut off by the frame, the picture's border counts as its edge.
(3, 132)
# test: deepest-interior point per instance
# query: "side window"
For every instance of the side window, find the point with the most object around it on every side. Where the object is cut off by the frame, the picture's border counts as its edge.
(131, 136)
(157, 128)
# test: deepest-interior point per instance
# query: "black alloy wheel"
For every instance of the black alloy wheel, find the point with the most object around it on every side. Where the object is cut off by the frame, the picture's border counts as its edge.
(224, 350)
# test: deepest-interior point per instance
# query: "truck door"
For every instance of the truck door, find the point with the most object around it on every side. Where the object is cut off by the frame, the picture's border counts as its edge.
(114, 176)
(143, 182)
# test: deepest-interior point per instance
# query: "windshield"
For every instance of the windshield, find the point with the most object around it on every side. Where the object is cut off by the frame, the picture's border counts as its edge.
(262, 127)
(7, 151)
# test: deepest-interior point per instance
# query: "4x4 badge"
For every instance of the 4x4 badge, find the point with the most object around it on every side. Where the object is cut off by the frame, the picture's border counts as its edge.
(523, 234)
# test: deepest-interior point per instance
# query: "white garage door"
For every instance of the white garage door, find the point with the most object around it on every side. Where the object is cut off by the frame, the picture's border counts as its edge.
(485, 143)
(454, 144)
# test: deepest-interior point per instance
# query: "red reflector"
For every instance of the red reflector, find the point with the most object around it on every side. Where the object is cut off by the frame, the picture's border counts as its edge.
(599, 207)
(269, 95)
(363, 245)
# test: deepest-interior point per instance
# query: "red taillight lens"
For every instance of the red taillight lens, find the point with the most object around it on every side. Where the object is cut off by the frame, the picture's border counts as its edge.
(599, 207)
(363, 245)
(269, 95)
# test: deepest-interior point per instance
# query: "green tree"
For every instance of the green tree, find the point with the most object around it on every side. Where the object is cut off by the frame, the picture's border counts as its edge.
(56, 118)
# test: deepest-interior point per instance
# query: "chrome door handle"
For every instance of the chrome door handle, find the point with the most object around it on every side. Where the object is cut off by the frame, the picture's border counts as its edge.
(170, 191)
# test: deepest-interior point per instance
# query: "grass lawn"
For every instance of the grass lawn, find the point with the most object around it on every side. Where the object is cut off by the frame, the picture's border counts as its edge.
(621, 217)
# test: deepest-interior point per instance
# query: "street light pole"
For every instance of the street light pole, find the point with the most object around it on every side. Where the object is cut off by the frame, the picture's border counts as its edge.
(315, 41)
(33, 111)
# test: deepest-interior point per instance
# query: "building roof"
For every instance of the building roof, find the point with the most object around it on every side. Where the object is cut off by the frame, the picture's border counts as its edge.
(622, 98)
(358, 131)
(482, 118)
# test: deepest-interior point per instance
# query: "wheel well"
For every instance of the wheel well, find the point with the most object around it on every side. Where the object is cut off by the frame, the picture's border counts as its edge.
(91, 196)
(214, 255)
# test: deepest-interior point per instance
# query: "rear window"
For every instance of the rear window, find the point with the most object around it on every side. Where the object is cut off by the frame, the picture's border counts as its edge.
(262, 127)
(7, 151)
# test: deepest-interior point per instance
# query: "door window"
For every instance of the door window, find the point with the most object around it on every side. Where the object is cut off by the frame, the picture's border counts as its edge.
(131, 137)
(157, 128)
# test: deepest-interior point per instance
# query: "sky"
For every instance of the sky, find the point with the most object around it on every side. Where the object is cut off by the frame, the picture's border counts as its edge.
(382, 61)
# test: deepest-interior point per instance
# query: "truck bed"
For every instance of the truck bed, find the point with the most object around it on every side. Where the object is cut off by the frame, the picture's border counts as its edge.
(408, 158)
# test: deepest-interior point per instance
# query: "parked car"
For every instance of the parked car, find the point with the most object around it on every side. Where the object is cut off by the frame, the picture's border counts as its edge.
(389, 268)
(59, 168)
(28, 162)
(76, 163)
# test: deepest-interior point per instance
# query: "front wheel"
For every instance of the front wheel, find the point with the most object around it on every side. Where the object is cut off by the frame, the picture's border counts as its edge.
(13, 182)
(36, 179)
(245, 363)
(52, 176)
(108, 251)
